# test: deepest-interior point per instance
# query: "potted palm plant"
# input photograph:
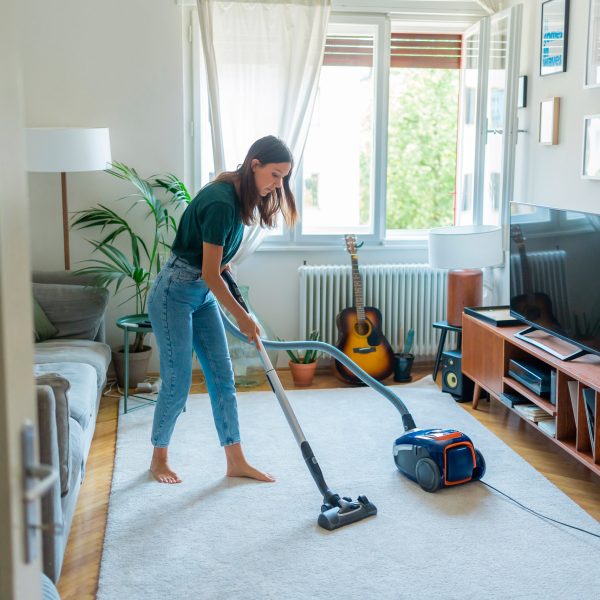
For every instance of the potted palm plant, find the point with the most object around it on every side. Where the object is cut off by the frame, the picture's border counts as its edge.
(303, 366)
(403, 360)
(133, 269)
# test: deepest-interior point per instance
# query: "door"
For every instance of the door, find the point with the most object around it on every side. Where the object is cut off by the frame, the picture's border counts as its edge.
(471, 140)
(19, 574)
(488, 118)
(501, 110)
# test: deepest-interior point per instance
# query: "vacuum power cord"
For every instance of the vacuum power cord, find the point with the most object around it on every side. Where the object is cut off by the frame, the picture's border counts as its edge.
(537, 514)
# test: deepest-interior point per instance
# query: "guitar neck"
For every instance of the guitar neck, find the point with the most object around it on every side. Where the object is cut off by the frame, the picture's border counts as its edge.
(358, 291)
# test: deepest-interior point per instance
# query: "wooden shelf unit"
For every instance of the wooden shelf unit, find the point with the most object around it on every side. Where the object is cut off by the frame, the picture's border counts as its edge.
(486, 352)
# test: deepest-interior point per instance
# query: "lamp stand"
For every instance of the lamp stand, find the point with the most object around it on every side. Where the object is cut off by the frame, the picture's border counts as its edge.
(65, 220)
(465, 288)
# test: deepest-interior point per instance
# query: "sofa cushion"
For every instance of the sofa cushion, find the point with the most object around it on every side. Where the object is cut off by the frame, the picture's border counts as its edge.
(77, 466)
(96, 354)
(60, 386)
(42, 326)
(75, 310)
(83, 391)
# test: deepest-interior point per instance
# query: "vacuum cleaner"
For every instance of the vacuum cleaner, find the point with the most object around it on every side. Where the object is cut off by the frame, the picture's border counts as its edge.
(434, 458)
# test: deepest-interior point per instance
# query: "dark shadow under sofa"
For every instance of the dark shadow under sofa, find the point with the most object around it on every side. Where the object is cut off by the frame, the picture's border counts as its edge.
(70, 370)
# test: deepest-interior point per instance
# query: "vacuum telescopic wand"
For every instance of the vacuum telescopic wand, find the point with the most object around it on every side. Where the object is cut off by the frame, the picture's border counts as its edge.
(336, 511)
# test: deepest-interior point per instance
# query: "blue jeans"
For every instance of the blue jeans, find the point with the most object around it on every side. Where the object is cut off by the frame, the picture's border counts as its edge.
(185, 315)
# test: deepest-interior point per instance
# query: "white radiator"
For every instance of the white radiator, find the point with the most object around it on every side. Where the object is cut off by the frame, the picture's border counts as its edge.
(548, 276)
(407, 296)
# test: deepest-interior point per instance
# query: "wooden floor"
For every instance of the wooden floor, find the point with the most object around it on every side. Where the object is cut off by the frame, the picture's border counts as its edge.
(79, 577)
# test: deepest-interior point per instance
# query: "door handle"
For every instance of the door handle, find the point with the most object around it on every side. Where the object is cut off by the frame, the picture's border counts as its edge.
(46, 476)
(37, 481)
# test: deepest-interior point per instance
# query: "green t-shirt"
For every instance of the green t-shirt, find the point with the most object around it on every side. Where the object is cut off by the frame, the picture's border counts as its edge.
(213, 216)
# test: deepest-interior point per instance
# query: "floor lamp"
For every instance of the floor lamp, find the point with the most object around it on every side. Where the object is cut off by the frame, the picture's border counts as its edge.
(465, 250)
(66, 150)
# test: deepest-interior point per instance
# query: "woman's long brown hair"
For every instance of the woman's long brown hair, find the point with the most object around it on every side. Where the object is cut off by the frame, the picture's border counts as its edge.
(255, 208)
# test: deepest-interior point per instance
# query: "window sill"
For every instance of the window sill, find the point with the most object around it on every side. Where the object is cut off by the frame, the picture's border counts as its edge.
(417, 243)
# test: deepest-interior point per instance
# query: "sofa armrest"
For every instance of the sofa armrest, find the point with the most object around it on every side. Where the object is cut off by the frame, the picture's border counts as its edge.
(53, 544)
(72, 303)
(59, 386)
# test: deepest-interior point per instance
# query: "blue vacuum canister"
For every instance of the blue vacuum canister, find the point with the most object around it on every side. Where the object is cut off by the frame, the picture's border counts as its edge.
(437, 458)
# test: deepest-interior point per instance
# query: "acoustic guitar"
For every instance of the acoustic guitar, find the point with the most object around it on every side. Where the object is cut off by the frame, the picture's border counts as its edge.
(534, 306)
(359, 332)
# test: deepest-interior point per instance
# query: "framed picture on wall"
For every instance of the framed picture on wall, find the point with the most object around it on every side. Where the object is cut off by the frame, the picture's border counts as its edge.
(592, 63)
(554, 36)
(591, 147)
(549, 116)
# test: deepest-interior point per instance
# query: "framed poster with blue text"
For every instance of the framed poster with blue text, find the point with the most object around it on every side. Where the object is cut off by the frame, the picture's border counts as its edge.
(554, 36)
(592, 63)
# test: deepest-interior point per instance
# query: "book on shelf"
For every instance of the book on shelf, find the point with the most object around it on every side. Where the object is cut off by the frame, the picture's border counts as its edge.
(512, 399)
(533, 412)
(549, 426)
(589, 397)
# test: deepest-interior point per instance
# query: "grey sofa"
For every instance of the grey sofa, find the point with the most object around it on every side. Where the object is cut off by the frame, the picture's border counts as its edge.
(70, 370)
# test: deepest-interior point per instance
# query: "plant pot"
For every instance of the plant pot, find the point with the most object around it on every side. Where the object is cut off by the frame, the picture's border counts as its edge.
(138, 365)
(403, 366)
(303, 374)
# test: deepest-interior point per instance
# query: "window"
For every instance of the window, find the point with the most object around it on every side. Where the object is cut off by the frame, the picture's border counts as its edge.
(380, 157)
(422, 130)
(336, 191)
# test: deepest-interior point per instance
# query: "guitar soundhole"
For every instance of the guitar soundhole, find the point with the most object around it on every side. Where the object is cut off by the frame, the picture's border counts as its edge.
(362, 328)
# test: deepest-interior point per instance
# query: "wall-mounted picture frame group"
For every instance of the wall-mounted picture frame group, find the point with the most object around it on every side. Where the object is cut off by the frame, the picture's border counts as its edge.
(549, 118)
(591, 147)
(592, 63)
(554, 36)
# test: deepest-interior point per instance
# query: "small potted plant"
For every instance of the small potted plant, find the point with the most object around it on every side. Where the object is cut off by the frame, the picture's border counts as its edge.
(303, 366)
(403, 360)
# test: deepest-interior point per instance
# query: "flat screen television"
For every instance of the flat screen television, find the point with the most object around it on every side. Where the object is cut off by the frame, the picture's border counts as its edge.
(555, 274)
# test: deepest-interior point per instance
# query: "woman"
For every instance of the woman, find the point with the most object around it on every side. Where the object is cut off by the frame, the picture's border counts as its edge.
(183, 300)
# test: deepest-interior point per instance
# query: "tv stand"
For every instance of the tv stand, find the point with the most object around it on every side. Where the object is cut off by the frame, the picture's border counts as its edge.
(486, 354)
(523, 335)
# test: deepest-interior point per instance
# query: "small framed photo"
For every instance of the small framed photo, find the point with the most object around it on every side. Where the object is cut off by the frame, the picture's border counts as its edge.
(522, 91)
(591, 147)
(592, 63)
(554, 36)
(549, 116)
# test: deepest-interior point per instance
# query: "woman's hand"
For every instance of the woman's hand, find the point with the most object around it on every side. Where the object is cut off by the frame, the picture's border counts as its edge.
(248, 326)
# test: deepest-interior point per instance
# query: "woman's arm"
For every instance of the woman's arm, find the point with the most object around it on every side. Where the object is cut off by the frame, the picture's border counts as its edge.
(211, 273)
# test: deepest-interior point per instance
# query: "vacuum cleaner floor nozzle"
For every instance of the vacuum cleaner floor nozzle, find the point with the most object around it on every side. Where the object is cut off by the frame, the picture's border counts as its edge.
(346, 512)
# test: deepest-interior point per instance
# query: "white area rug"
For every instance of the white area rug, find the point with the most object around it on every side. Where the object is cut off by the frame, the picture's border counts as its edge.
(214, 538)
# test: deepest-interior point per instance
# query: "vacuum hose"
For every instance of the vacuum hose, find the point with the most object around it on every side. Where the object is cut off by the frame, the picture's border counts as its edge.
(407, 420)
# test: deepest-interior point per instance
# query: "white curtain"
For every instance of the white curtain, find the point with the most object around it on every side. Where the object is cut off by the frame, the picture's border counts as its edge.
(492, 6)
(263, 61)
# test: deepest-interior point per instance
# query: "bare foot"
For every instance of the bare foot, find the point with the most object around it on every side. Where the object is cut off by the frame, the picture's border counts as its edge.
(249, 471)
(237, 466)
(160, 468)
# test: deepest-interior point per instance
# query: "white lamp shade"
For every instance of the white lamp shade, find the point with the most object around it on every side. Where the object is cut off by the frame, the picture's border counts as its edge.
(465, 247)
(67, 149)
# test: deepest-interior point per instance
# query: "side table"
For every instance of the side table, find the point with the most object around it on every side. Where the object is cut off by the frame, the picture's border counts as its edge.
(445, 327)
(132, 324)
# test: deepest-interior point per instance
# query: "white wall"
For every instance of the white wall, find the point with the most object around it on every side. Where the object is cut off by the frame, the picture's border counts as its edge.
(551, 175)
(107, 64)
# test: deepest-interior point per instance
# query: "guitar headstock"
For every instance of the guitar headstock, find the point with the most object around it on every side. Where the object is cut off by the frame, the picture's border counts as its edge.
(516, 233)
(351, 245)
